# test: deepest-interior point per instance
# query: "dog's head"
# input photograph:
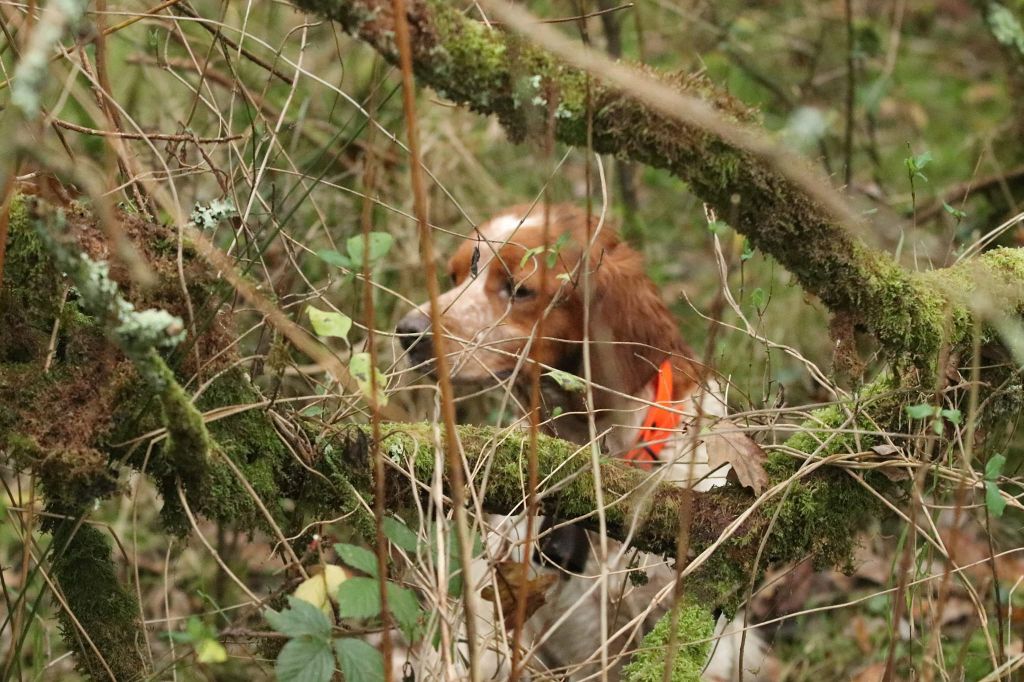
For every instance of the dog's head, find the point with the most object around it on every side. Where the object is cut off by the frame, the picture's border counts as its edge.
(518, 293)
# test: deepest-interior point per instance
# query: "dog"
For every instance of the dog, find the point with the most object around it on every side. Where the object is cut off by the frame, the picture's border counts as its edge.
(555, 290)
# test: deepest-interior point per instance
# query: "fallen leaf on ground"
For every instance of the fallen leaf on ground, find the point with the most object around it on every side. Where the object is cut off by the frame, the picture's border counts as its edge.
(727, 444)
(513, 580)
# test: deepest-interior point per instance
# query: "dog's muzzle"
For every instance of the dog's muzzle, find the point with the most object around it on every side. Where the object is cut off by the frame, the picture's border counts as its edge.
(414, 335)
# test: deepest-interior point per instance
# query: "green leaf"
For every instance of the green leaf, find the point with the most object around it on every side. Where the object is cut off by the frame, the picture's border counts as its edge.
(380, 244)
(921, 411)
(994, 467)
(405, 607)
(358, 557)
(359, 598)
(211, 651)
(748, 250)
(717, 227)
(329, 323)
(758, 297)
(300, 618)
(305, 659)
(399, 534)
(569, 382)
(952, 416)
(360, 662)
(360, 368)
(955, 212)
(993, 500)
(334, 258)
(530, 253)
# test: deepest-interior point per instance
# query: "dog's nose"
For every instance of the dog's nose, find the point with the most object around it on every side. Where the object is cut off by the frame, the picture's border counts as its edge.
(413, 335)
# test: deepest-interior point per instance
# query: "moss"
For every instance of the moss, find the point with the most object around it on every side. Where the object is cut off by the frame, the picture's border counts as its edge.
(694, 629)
(30, 290)
(102, 608)
(188, 444)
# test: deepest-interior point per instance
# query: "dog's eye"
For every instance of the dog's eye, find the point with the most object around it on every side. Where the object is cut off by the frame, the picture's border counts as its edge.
(518, 292)
(454, 276)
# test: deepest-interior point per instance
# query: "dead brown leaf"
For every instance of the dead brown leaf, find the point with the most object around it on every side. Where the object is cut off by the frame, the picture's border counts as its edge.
(727, 444)
(513, 580)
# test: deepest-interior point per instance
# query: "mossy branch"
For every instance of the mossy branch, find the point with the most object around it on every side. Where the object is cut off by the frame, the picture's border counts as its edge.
(493, 72)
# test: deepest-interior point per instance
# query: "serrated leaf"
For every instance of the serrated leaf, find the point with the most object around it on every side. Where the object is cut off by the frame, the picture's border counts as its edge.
(380, 244)
(305, 659)
(399, 534)
(994, 467)
(359, 661)
(358, 557)
(300, 618)
(211, 651)
(405, 608)
(359, 598)
(921, 411)
(993, 499)
(360, 368)
(318, 588)
(569, 382)
(329, 323)
(334, 258)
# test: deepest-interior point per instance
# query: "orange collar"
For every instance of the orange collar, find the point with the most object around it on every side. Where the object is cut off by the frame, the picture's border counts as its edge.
(659, 423)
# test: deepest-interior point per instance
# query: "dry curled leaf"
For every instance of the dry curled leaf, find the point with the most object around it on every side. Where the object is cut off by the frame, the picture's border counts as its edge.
(513, 580)
(896, 473)
(727, 444)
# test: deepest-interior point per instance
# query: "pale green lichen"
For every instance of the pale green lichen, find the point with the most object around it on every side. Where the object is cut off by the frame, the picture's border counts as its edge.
(1006, 27)
(209, 216)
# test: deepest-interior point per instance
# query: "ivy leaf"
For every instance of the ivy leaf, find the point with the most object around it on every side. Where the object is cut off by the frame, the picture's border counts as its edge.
(300, 619)
(329, 323)
(360, 662)
(405, 607)
(358, 557)
(334, 258)
(380, 244)
(994, 467)
(569, 382)
(306, 659)
(360, 368)
(921, 411)
(399, 534)
(359, 598)
(993, 500)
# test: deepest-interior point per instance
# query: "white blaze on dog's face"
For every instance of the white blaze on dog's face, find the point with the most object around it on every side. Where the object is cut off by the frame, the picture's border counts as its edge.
(497, 297)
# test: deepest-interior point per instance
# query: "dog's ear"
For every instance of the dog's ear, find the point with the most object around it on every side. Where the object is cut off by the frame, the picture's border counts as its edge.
(629, 321)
